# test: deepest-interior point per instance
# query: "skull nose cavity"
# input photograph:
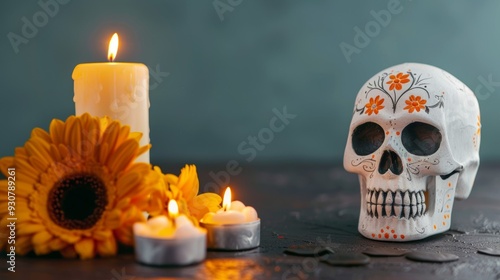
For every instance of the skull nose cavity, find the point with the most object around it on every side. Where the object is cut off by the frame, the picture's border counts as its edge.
(390, 160)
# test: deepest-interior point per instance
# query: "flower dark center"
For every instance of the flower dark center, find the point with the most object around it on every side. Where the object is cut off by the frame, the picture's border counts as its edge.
(77, 201)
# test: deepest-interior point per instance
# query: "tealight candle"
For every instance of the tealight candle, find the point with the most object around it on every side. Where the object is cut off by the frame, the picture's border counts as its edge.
(169, 241)
(234, 227)
(117, 90)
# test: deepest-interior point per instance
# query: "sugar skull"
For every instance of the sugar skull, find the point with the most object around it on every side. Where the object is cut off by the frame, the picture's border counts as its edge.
(414, 142)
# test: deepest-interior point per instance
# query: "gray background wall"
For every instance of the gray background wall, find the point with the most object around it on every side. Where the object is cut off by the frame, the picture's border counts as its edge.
(227, 72)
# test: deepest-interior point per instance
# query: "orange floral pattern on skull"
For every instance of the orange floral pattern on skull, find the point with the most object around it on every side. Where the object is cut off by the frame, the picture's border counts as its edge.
(415, 103)
(397, 81)
(374, 105)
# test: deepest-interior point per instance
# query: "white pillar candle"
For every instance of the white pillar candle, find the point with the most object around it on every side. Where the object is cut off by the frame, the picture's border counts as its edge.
(117, 90)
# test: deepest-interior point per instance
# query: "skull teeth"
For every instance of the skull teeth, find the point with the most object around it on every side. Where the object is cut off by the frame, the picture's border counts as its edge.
(399, 204)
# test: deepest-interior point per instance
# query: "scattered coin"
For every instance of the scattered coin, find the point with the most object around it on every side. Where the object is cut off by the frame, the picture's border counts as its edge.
(346, 259)
(490, 251)
(431, 257)
(384, 252)
(308, 252)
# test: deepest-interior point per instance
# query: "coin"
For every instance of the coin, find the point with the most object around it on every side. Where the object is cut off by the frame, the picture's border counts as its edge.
(489, 251)
(431, 257)
(384, 252)
(346, 259)
(308, 252)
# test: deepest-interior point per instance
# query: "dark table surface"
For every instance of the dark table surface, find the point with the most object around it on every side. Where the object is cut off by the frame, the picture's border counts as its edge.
(312, 205)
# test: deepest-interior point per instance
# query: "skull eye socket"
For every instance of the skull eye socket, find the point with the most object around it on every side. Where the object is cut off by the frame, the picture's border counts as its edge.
(421, 139)
(367, 138)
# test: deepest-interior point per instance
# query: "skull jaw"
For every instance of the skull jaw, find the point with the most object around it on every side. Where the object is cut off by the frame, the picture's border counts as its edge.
(434, 219)
(399, 230)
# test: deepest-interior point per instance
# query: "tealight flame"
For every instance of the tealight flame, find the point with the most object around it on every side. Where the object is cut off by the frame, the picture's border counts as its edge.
(113, 47)
(173, 209)
(226, 202)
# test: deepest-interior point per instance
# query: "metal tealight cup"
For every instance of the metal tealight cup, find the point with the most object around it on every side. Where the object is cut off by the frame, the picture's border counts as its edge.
(233, 237)
(170, 252)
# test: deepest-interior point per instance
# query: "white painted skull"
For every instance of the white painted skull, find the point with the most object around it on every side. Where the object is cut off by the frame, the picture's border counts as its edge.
(414, 142)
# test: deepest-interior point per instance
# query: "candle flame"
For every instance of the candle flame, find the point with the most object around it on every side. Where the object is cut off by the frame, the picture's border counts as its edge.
(113, 47)
(226, 202)
(173, 209)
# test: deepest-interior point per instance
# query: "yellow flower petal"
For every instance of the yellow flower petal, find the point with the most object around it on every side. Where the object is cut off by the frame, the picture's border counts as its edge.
(23, 189)
(123, 135)
(90, 138)
(75, 138)
(124, 155)
(143, 149)
(156, 206)
(204, 203)
(55, 153)
(68, 130)
(23, 244)
(136, 136)
(113, 219)
(171, 179)
(70, 238)
(39, 163)
(85, 118)
(111, 134)
(41, 237)
(41, 249)
(103, 123)
(5, 163)
(85, 248)
(29, 228)
(57, 244)
(64, 151)
(107, 247)
(104, 150)
(38, 148)
(125, 235)
(102, 234)
(24, 167)
(56, 131)
(175, 192)
(40, 133)
(23, 216)
(124, 202)
(128, 183)
(188, 182)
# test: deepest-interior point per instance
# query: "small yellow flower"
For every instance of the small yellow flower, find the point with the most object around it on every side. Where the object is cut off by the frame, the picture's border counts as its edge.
(78, 189)
(184, 189)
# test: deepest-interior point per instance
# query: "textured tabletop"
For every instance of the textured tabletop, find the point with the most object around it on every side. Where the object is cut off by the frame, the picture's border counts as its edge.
(312, 206)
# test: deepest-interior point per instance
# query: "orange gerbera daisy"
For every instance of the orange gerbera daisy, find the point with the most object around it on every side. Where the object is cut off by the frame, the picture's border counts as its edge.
(374, 105)
(415, 103)
(396, 81)
(78, 189)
